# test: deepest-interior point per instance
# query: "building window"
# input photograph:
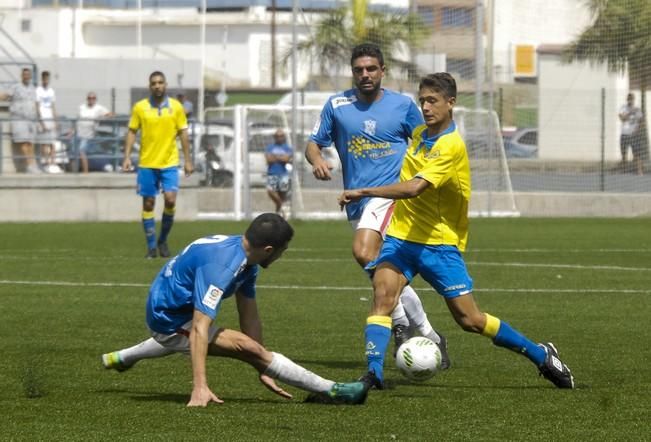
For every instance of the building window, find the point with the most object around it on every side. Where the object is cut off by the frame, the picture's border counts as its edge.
(426, 13)
(457, 17)
(25, 25)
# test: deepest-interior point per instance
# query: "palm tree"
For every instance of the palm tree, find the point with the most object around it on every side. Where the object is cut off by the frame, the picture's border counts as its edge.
(341, 29)
(620, 36)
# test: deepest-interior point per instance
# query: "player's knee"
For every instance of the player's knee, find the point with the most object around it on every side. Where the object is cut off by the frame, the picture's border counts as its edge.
(148, 204)
(363, 254)
(385, 299)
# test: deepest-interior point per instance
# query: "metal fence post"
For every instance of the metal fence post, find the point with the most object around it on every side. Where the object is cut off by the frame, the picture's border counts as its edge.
(602, 178)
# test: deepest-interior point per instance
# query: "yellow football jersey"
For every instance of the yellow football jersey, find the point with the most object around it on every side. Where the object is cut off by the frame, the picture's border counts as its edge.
(158, 130)
(439, 215)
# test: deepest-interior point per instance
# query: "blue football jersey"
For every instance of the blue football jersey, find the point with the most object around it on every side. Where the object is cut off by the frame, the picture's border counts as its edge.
(277, 168)
(205, 273)
(371, 139)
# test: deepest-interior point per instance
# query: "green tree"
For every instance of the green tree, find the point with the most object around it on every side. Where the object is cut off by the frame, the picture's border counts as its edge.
(333, 37)
(620, 37)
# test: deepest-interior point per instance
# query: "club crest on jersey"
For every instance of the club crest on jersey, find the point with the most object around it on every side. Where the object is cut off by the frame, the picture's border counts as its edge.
(369, 126)
(212, 297)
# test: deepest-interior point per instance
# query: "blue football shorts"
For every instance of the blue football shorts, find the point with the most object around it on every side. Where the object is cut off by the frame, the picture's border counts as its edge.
(151, 181)
(442, 266)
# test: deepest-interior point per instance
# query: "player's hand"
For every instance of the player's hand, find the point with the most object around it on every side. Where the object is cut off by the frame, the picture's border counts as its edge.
(272, 386)
(321, 170)
(348, 196)
(126, 165)
(188, 167)
(203, 396)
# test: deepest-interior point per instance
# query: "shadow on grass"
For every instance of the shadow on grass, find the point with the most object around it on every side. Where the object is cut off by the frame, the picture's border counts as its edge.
(360, 365)
(184, 398)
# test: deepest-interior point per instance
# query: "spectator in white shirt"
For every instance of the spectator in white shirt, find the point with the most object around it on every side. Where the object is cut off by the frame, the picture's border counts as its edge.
(89, 113)
(631, 118)
(47, 127)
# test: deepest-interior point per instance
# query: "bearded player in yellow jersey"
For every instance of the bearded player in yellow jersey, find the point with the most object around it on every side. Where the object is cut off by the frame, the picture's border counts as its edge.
(428, 232)
(160, 120)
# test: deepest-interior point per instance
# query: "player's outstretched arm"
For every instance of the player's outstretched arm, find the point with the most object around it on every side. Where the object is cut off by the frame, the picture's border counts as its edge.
(397, 191)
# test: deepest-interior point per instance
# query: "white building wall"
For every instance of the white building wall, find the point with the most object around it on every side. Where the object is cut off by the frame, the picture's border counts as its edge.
(533, 22)
(166, 34)
(569, 118)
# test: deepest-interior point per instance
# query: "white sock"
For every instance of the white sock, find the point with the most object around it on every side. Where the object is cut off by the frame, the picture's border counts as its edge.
(416, 314)
(148, 348)
(399, 316)
(286, 371)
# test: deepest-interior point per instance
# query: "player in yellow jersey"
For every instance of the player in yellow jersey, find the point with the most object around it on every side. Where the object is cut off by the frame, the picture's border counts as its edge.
(428, 232)
(160, 120)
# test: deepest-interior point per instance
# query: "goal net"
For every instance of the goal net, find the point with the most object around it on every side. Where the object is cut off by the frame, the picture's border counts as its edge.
(492, 191)
(236, 137)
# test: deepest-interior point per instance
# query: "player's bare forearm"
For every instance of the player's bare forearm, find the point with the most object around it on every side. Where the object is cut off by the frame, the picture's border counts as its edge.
(250, 323)
(185, 145)
(199, 348)
(320, 167)
(128, 145)
(397, 191)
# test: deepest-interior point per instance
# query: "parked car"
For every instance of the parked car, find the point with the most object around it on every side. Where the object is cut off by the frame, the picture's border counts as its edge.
(216, 156)
(522, 144)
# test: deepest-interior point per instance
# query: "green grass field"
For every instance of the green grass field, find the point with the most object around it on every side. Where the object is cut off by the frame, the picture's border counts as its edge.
(70, 292)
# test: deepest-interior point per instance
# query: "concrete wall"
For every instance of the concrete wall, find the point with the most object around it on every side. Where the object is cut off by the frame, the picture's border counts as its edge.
(112, 197)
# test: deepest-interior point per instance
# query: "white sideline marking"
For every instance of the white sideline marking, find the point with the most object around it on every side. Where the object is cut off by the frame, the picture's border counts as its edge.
(313, 288)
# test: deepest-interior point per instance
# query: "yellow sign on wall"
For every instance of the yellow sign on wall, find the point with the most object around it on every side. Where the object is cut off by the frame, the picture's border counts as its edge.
(525, 60)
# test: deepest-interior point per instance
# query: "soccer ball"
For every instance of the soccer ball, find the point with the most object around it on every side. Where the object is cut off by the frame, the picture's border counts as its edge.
(418, 359)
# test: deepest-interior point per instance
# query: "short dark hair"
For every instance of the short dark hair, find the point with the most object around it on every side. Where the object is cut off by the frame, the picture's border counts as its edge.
(440, 82)
(367, 50)
(156, 74)
(45, 74)
(269, 229)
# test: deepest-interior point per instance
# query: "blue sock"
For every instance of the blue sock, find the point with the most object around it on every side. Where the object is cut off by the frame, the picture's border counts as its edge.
(510, 338)
(377, 335)
(166, 224)
(149, 225)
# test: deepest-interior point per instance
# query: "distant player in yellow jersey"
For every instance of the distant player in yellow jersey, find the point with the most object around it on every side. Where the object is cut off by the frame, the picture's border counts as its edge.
(160, 120)
(428, 232)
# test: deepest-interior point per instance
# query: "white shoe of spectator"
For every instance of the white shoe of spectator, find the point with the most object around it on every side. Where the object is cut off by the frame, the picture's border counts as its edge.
(53, 168)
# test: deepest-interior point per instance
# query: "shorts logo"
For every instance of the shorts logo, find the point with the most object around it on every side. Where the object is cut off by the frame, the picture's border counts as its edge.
(369, 126)
(212, 296)
(455, 287)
